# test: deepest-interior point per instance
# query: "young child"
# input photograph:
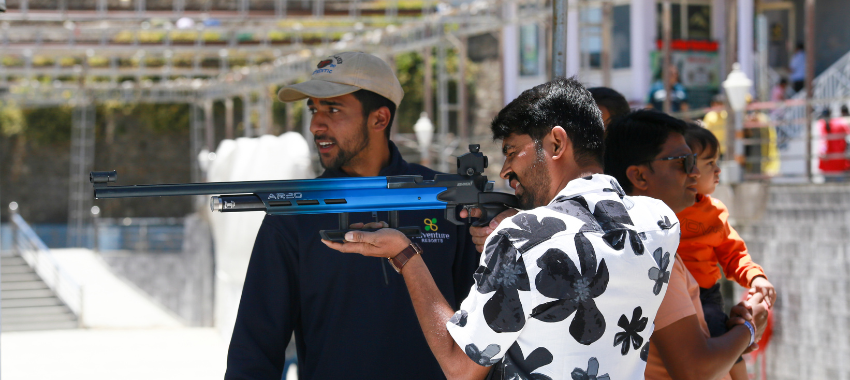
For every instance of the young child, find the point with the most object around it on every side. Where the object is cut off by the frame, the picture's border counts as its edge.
(708, 239)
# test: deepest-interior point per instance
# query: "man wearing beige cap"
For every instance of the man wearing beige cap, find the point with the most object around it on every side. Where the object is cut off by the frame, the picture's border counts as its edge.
(351, 315)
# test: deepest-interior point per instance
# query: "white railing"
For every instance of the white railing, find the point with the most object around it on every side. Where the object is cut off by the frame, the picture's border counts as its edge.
(831, 90)
(832, 83)
(39, 258)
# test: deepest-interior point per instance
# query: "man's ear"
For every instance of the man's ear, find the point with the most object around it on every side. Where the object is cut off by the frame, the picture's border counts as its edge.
(379, 119)
(636, 175)
(561, 146)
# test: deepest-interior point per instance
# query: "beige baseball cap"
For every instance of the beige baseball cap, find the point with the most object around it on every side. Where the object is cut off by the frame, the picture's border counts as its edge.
(344, 73)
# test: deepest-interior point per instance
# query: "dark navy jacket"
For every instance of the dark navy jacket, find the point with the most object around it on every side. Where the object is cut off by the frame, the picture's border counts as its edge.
(352, 315)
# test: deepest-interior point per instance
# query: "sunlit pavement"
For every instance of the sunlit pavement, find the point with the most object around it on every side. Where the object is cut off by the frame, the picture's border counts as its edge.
(126, 354)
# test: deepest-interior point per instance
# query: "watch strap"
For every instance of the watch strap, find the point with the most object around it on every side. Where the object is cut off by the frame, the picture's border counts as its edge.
(398, 261)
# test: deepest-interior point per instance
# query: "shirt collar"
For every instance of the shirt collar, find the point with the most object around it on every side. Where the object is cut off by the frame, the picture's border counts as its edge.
(396, 166)
(590, 184)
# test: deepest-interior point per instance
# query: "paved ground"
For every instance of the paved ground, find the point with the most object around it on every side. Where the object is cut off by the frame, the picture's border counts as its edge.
(128, 336)
(101, 354)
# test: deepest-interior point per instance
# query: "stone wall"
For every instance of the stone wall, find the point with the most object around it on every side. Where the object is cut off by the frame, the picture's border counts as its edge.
(181, 282)
(803, 243)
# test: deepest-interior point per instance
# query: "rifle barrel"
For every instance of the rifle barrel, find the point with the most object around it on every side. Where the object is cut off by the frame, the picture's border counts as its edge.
(216, 188)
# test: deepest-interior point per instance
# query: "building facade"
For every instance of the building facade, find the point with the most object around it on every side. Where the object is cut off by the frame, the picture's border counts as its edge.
(766, 34)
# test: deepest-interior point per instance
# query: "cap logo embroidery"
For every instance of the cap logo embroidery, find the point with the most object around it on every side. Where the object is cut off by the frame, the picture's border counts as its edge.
(324, 63)
(338, 59)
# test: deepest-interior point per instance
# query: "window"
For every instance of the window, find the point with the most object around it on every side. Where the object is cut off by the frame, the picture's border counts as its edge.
(590, 36)
(621, 48)
(699, 22)
(691, 19)
(529, 61)
(590, 26)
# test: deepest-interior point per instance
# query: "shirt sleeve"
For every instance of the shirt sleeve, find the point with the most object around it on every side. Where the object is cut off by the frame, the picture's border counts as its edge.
(677, 303)
(492, 317)
(264, 321)
(732, 253)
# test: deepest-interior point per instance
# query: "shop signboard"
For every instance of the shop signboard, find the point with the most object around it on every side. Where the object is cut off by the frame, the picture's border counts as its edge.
(699, 68)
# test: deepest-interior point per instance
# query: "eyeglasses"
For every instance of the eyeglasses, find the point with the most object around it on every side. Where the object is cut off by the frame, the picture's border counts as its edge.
(688, 161)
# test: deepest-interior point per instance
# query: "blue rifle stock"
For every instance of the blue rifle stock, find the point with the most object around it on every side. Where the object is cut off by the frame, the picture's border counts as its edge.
(468, 188)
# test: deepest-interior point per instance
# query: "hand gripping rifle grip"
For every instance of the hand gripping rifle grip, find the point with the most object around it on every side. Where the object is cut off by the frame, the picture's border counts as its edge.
(492, 204)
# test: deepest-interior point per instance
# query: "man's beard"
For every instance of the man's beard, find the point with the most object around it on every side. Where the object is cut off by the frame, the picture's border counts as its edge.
(344, 156)
(535, 184)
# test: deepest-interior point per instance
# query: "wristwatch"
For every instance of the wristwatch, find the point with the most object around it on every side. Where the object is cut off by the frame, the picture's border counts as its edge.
(404, 256)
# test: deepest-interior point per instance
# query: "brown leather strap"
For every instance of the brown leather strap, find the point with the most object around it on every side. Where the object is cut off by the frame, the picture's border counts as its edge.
(404, 256)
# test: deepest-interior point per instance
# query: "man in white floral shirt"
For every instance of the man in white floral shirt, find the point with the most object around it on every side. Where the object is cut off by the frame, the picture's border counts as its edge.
(564, 289)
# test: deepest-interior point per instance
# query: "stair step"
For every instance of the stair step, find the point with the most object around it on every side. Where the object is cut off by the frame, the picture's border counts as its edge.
(57, 325)
(12, 303)
(12, 260)
(26, 293)
(51, 317)
(23, 285)
(15, 269)
(10, 312)
(15, 277)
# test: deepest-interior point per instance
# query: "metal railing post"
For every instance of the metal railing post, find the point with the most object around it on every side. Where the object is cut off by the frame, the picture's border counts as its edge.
(13, 210)
(810, 78)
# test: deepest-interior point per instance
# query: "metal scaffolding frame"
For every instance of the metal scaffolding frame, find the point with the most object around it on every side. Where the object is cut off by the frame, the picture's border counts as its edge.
(224, 79)
(444, 106)
(140, 10)
(81, 163)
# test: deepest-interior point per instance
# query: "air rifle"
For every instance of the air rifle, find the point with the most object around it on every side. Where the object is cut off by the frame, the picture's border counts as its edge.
(468, 188)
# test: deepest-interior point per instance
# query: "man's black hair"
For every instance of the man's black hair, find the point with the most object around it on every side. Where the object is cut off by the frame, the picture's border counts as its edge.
(801, 46)
(701, 139)
(783, 81)
(612, 100)
(845, 111)
(562, 102)
(371, 101)
(636, 139)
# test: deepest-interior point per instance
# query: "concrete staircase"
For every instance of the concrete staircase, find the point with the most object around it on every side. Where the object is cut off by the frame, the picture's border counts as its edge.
(27, 302)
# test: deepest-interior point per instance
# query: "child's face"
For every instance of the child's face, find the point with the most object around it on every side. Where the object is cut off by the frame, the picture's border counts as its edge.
(709, 172)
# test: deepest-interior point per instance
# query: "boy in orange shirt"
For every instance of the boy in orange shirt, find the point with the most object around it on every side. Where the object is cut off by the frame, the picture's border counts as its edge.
(708, 239)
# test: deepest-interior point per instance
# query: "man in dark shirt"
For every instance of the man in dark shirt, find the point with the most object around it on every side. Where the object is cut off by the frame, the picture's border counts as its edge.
(351, 315)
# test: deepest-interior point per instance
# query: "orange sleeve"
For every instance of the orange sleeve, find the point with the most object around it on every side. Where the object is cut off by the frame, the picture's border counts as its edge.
(732, 253)
(677, 302)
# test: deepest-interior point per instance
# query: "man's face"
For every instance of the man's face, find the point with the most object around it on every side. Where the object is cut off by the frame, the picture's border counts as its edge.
(339, 130)
(674, 75)
(527, 170)
(667, 180)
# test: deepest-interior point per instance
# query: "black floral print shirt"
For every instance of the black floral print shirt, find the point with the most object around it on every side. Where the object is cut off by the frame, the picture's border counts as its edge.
(569, 290)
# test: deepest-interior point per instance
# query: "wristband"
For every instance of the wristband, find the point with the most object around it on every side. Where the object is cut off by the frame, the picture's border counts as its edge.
(752, 332)
(404, 256)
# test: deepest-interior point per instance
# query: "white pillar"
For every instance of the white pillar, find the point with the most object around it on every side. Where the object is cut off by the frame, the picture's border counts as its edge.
(642, 40)
(718, 32)
(510, 53)
(746, 37)
(573, 45)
